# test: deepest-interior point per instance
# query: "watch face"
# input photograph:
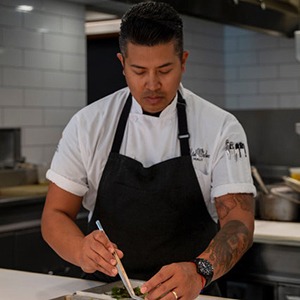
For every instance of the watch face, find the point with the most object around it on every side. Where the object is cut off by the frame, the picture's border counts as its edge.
(205, 267)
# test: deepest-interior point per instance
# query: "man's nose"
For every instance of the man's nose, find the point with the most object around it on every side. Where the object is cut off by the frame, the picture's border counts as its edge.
(153, 81)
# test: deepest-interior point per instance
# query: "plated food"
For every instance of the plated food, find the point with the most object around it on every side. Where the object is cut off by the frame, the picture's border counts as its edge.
(122, 293)
(110, 291)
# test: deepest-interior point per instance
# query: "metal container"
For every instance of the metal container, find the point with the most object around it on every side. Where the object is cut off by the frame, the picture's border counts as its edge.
(281, 204)
(10, 149)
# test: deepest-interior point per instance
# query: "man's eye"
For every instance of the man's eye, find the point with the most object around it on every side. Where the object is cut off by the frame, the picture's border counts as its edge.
(165, 71)
(139, 72)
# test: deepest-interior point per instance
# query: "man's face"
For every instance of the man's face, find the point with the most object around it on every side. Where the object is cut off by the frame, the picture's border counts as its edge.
(153, 74)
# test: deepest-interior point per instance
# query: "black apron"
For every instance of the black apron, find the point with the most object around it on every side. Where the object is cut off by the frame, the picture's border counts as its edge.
(156, 215)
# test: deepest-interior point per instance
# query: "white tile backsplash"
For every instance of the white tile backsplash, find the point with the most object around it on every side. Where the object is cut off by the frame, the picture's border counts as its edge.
(42, 98)
(34, 153)
(23, 117)
(58, 117)
(48, 152)
(257, 42)
(15, 3)
(64, 43)
(42, 154)
(269, 61)
(258, 72)
(72, 26)
(9, 17)
(74, 98)
(42, 63)
(279, 86)
(11, 57)
(17, 77)
(41, 136)
(11, 97)
(22, 38)
(290, 70)
(232, 102)
(243, 58)
(257, 102)
(61, 80)
(199, 71)
(73, 62)
(288, 101)
(42, 60)
(41, 21)
(82, 82)
(231, 73)
(63, 8)
(277, 56)
(245, 87)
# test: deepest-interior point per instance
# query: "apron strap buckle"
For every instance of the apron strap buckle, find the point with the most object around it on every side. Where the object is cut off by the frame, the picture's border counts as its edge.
(184, 136)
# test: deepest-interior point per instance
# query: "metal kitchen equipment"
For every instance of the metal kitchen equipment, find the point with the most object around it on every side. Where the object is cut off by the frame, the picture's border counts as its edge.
(276, 202)
(259, 180)
(293, 183)
(281, 204)
(10, 147)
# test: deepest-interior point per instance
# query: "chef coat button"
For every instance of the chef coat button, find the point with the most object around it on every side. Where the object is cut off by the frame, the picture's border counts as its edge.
(135, 119)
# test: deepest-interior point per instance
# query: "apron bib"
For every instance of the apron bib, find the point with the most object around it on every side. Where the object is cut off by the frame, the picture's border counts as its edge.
(156, 215)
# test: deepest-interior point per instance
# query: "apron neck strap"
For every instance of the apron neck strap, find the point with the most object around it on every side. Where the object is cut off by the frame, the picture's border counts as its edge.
(121, 125)
(183, 134)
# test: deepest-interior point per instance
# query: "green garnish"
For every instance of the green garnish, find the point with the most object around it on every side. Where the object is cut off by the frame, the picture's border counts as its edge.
(121, 293)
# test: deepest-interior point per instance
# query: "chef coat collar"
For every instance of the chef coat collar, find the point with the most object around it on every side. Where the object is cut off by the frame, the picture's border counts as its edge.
(171, 108)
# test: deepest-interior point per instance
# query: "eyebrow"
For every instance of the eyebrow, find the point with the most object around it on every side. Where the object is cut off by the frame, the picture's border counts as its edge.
(159, 67)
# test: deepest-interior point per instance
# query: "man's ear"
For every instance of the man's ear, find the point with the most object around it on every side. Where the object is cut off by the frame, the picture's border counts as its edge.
(185, 56)
(121, 59)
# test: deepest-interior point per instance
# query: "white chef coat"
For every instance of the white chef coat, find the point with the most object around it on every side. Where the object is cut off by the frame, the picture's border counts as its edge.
(86, 142)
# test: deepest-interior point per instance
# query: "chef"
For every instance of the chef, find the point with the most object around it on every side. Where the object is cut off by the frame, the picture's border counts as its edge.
(166, 172)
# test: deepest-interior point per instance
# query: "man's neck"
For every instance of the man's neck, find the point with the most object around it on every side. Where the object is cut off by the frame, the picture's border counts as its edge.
(152, 114)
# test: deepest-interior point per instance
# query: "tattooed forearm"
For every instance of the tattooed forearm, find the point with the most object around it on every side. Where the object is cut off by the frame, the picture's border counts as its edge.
(227, 203)
(236, 217)
(228, 246)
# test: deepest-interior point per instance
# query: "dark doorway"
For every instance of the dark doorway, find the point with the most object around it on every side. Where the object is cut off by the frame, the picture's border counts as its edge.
(104, 70)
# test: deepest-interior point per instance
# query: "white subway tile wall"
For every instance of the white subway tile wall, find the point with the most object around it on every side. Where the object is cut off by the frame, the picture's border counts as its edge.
(43, 69)
(261, 71)
(42, 72)
(241, 69)
(205, 66)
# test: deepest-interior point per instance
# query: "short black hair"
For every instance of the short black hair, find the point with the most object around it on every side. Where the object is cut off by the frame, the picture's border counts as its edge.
(151, 23)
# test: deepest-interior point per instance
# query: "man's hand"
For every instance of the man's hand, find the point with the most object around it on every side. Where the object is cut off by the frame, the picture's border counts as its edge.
(174, 281)
(97, 254)
(93, 252)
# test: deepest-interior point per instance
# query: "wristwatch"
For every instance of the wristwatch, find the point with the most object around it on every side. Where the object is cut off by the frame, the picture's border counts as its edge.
(205, 269)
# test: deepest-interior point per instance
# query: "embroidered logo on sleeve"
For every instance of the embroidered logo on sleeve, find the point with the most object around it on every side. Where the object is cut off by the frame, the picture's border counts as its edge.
(199, 154)
(236, 150)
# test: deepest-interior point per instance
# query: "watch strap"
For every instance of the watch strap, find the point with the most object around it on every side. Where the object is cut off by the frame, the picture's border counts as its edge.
(205, 269)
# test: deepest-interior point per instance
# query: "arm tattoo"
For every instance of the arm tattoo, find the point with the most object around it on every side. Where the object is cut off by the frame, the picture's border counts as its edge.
(229, 245)
(245, 201)
(234, 239)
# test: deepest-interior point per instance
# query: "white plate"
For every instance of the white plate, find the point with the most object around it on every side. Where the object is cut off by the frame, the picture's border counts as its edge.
(101, 292)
